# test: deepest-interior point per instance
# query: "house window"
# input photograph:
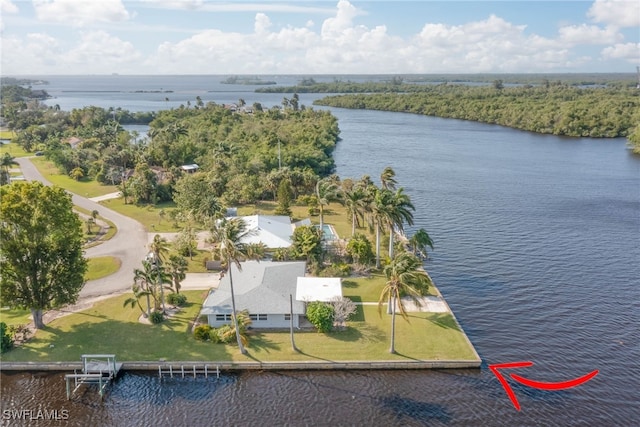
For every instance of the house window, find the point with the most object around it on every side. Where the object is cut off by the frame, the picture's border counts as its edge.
(262, 317)
(287, 317)
(223, 317)
(219, 317)
(253, 317)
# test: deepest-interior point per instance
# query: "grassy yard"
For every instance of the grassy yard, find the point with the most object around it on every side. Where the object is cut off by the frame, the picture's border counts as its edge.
(109, 327)
(148, 215)
(14, 316)
(14, 149)
(368, 288)
(100, 267)
(83, 187)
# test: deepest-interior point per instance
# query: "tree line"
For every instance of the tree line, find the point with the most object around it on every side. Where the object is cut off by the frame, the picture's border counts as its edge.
(556, 109)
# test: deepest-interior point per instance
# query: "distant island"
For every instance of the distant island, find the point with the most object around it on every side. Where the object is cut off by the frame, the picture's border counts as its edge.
(21, 82)
(235, 80)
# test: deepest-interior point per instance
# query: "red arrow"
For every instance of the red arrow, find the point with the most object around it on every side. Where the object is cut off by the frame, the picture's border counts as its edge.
(535, 384)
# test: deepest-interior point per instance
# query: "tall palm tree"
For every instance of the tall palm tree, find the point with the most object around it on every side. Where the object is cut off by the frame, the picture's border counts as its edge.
(405, 277)
(398, 212)
(226, 236)
(144, 279)
(419, 243)
(355, 200)
(177, 270)
(326, 192)
(138, 292)
(159, 247)
(388, 179)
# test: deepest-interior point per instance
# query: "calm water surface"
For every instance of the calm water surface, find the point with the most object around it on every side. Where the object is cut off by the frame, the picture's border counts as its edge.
(537, 249)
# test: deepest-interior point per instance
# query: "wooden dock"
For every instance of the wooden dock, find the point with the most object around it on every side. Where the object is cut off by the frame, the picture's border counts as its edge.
(99, 369)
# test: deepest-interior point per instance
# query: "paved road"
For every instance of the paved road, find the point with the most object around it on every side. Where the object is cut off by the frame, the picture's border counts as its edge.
(129, 244)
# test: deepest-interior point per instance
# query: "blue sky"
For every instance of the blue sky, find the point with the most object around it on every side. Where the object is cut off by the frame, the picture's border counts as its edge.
(317, 37)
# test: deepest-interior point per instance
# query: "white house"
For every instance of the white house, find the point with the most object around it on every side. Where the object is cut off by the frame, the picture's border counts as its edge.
(263, 288)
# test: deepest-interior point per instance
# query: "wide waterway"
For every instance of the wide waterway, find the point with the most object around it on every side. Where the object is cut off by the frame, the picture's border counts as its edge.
(537, 248)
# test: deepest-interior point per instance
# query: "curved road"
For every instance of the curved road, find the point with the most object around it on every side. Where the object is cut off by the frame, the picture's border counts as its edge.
(129, 244)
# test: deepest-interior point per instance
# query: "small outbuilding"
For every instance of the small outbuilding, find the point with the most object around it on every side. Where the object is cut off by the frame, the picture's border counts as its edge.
(318, 288)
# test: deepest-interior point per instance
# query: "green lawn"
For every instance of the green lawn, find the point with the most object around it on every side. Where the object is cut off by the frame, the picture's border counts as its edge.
(14, 149)
(100, 267)
(110, 328)
(369, 288)
(111, 231)
(148, 215)
(14, 316)
(83, 187)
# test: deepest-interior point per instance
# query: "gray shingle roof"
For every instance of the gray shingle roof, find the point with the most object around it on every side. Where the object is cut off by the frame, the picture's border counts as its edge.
(261, 287)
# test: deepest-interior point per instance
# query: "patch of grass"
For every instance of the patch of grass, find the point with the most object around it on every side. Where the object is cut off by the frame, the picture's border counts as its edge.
(84, 187)
(369, 288)
(197, 264)
(148, 215)
(111, 231)
(7, 134)
(100, 267)
(14, 149)
(428, 336)
(15, 316)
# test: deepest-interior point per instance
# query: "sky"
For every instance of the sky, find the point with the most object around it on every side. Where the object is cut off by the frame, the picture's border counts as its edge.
(47, 37)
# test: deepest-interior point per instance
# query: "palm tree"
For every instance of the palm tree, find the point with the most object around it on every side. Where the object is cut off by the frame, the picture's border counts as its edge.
(138, 292)
(226, 236)
(355, 200)
(243, 322)
(144, 279)
(399, 212)
(326, 192)
(405, 277)
(387, 179)
(177, 270)
(159, 248)
(419, 243)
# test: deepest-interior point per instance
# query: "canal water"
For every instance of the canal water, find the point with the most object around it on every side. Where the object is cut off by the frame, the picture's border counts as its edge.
(537, 243)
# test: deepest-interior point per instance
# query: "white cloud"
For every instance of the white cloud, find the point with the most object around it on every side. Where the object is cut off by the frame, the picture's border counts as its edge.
(339, 44)
(101, 52)
(589, 34)
(627, 51)
(79, 13)
(617, 13)
(6, 6)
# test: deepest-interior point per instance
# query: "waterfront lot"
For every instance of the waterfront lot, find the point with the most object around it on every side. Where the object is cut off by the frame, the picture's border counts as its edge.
(108, 327)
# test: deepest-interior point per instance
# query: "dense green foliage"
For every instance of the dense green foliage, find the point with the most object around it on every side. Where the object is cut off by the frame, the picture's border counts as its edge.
(6, 340)
(41, 256)
(243, 156)
(176, 299)
(320, 314)
(416, 83)
(553, 109)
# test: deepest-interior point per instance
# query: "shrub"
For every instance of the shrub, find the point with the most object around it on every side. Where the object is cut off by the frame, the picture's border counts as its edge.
(320, 314)
(156, 317)
(177, 299)
(6, 340)
(226, 334)
(336, 270)
(203, 332)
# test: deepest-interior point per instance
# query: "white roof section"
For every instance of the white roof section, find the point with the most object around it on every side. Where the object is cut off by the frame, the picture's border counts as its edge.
(274, 231)
(318, 288)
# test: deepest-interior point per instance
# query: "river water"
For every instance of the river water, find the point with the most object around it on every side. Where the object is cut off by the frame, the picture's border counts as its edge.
(537, 248)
